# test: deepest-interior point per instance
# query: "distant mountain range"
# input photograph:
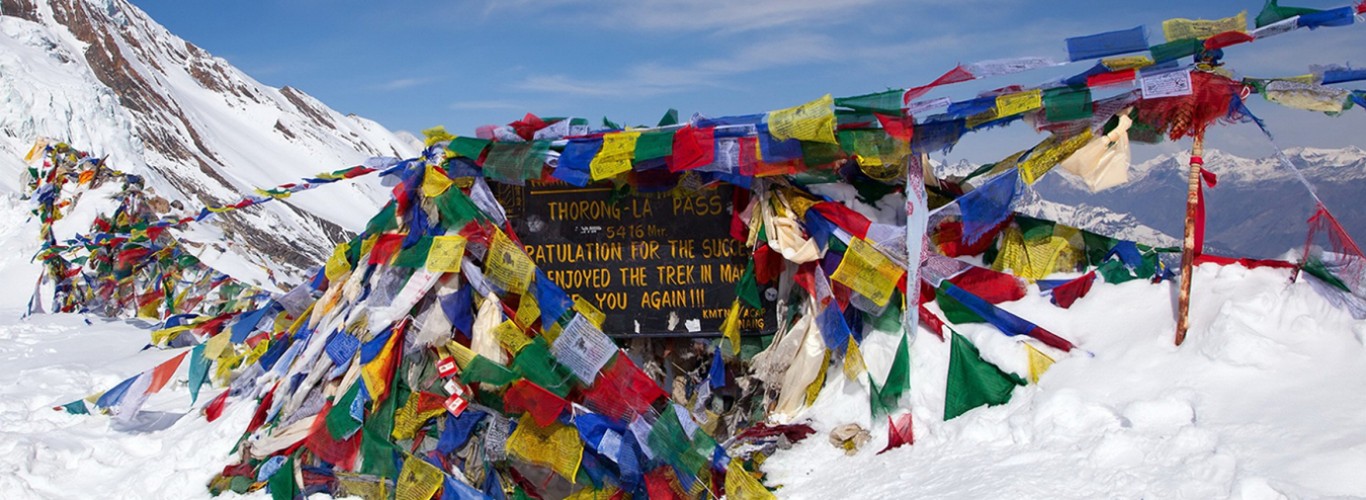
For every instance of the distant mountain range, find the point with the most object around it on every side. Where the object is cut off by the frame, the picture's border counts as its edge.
(103, 76)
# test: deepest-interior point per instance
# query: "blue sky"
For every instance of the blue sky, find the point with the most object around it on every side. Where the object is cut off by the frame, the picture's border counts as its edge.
(413, 64)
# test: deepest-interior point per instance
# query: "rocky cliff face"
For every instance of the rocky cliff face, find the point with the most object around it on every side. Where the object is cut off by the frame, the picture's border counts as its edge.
(105, 77)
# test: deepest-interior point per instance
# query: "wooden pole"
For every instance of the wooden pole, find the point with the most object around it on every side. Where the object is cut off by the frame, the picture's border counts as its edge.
(1188, 250)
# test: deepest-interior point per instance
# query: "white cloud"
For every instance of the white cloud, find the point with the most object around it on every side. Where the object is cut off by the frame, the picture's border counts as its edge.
(403, 83)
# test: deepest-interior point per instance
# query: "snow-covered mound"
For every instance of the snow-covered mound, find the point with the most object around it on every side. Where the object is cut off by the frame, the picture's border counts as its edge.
(1264, 400)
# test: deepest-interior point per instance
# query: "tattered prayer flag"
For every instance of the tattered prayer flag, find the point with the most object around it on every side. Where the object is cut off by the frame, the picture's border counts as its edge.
(868, 272)
(1050, 153)
(1038, 363)
(446, 254)
(742, 486)
(435, 182)
(615, 156)
(730, 328)
(812, 122)
(1200, 29)
(163, 372)
(1019, 102)
(1107, 44)
(973, 381)
(556, 446)
(507, 264)
(418, 480)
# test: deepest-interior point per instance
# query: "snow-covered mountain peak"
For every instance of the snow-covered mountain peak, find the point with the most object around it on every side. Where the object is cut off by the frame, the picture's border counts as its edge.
(104, 77)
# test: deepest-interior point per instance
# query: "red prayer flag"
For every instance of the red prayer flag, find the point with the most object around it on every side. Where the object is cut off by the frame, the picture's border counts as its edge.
(901, 128)
(846, 218)
(1226, 39)
(1067, 293)
(899, 432)
(214, 409)
(543, 405)
(385, 248)
(1111, 78)
(955, 75)
(162, 373)
(989, 285)
(693, 147)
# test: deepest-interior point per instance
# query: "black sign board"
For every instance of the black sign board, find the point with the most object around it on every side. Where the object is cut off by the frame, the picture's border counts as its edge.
(659, 264)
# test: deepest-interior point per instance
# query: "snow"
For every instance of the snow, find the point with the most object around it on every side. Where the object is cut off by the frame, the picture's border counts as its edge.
(1263, 401)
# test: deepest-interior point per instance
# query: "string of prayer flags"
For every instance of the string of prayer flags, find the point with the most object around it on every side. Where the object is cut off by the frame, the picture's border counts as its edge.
(1107, 44)
(973, 381)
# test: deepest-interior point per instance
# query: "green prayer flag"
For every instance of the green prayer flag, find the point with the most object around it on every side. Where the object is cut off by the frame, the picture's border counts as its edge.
(1034, 229)
(482, 370)
(670, 118)
(1176, 49)
(1316, 269)
(973, 381)
(456, 210)
(414, 256)
(535, 363)
(890, 319)
(610, 125)
(816, 154)
(77, 407)
(376, 448)
(955, 311)
(199, 371)
(1272, 13)
(667, 439)
(468, 147)
(281, 484)
(747, 288)
(384, 220)
(1097, 247)
(515, 162)
(888, 102)
(340, 424)
(651, 145)
(1067, 104)
(898, 381)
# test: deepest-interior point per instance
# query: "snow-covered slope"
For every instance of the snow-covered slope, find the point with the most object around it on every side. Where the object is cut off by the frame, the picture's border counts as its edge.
(103, 76)
(1265, 400)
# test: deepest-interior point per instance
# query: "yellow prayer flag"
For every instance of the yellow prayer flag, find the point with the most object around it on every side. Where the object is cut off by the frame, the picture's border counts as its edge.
(1199, 29)
(590, 493)
(163, 336)
(589, 311)
(730, 328)
(556, 446)
(446, 253)
(867, 271)
(510, 337)
(527, 311)
(1019, 102)
(463, 355)
(213, 348)
(418, 480)
(853, 360)
(814, 388)
(434, 182)
(36, 151)
(1050, 153)
(1126, 62)
(508, 265)
(366, 246)
(372, 373)
(742, 486)
(615, 155)
(1038, 363)
(813, 121)
(436, 134)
